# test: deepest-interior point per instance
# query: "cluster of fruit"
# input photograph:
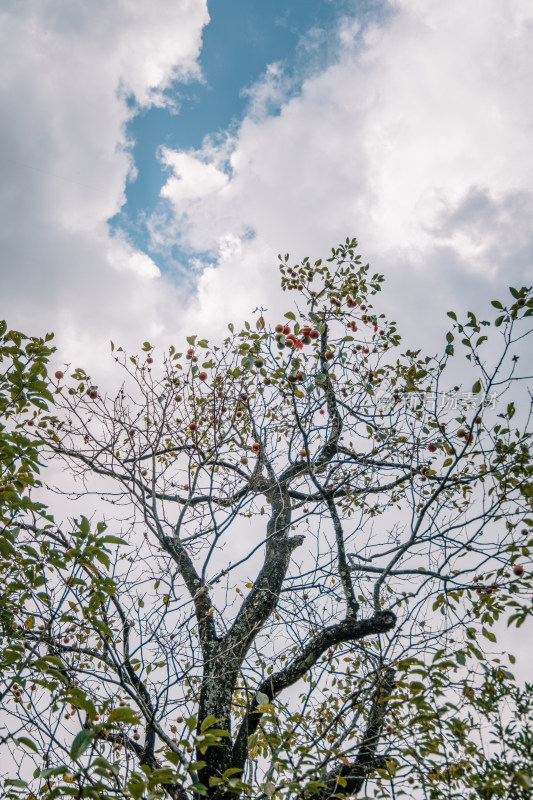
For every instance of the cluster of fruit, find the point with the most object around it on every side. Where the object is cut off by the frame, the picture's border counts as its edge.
(518, 571)
(90, 392)
(17, 693)
(285, 338)
(461, 433)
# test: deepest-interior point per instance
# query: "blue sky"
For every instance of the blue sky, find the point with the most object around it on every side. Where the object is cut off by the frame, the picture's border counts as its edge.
(241, 39)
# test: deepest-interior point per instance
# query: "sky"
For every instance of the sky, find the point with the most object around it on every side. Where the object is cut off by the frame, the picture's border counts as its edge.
(155, 158)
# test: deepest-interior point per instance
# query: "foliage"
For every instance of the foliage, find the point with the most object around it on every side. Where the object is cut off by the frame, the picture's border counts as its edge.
(506, 772)
(468, 737)
(23, 388)
(311, 535)
(33, 554)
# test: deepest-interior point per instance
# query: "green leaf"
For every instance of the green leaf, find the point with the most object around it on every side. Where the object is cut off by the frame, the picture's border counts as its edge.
(124, 715)
(81, 743)
(208, 722)
(27, 743)
(136, 787)
(50, 771)
(476, 388)
(523, 779)
(460, 658)
(197, 765)
(231, 771)
(113, 540)
(103, 627)
(83, 526)
(159, 776)
(55, 673)
(496, 304)
(452, 314)
(199, 788)
(172, 757)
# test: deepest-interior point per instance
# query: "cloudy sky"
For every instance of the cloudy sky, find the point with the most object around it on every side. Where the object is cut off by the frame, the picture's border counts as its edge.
(156, 156)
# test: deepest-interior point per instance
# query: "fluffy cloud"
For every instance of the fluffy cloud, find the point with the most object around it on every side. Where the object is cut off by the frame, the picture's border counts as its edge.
(417, 140)
(73, 74)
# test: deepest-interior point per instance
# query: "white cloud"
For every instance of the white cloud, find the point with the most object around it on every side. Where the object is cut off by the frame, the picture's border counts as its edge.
(267, 95)
(73, 73)
(193, 178)
(124, 258)
(417, 140)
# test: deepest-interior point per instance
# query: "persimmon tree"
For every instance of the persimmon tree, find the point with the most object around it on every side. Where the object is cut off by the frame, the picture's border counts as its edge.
(309, 532)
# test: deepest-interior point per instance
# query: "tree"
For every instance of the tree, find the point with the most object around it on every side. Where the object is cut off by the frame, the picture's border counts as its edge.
(308, 532)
